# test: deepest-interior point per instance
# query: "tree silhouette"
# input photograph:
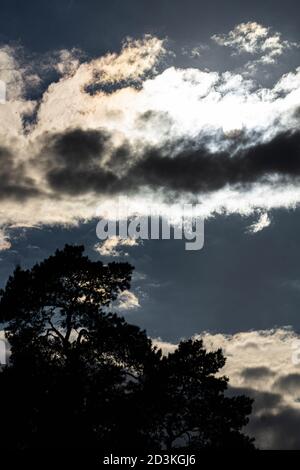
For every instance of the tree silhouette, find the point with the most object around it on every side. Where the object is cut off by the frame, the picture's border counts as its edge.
(81, 376)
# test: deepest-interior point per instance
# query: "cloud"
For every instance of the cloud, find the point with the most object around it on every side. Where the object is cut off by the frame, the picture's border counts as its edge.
(14, 182)
(256, 39)
(68, 61)
(122, 124)
(263, 222)
(111, 246)
(194, 52)
(202, 171)
(260, 364)
(277, 431)
(12, 72)
(5, 243)
(256, 373)
(84, 161)
(127, 300)
(73, 162)
(289, 383)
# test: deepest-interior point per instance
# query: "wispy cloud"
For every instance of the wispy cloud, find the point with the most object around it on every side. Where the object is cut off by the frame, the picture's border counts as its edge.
(263, 222)
(255, 39)
(113, 246)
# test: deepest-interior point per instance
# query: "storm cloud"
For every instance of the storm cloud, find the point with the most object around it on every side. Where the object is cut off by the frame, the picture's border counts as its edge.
(73, 163)
(85, 161)
(203, 171)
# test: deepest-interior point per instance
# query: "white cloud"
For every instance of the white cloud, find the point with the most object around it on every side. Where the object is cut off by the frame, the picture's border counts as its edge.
(16, 79)
(166, 347)
(254, 38)
(263, 222)
(111, 246)
(68, 61)
(127, 300)
(5, 243)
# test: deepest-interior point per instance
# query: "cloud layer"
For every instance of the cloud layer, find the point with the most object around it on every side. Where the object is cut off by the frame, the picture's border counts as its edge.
(128, 124)
(266, 366)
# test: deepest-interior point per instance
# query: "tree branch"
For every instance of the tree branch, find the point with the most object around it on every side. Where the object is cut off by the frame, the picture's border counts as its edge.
(56, 330)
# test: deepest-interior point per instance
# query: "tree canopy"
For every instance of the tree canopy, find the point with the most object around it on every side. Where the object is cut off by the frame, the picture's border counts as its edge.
(79, 375)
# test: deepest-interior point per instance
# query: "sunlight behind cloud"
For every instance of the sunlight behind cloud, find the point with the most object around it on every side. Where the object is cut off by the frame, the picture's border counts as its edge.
(148, 109)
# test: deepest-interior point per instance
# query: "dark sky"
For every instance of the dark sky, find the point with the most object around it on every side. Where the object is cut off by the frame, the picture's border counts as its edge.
(237, 282)
(97, 26)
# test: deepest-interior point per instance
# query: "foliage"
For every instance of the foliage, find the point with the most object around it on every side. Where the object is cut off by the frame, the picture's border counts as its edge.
(81, 376)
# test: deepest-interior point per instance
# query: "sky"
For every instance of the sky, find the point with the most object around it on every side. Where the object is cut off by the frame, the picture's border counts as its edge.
(167, 103)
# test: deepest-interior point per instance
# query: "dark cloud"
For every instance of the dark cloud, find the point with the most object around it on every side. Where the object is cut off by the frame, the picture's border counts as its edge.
(197, 169)
(263, 401)
(256, 373)
(14, 184)
(73, 162)
(274, 425)
(289, 383)
(277, 431)
(83, 161)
